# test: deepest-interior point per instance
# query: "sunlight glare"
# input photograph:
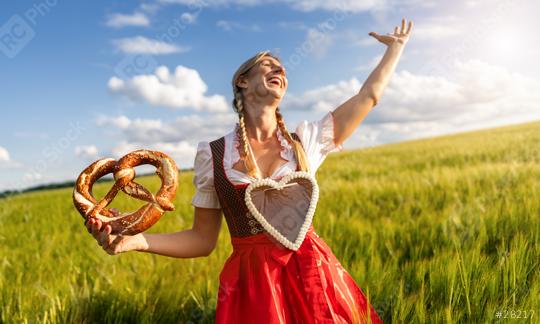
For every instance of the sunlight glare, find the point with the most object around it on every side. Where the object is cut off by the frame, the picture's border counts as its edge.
(504, 44)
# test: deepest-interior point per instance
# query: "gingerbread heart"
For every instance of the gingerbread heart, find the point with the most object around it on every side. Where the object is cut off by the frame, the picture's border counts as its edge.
(285, 209)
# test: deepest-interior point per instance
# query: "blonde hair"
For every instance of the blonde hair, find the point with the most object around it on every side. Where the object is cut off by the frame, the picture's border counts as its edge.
(238, 105)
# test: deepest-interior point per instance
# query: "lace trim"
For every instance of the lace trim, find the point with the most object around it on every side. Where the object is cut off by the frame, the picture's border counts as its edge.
(286, 148)
(205, 199)
(328, 134)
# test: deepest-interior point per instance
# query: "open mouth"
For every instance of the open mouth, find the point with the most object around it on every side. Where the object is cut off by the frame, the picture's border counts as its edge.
(275, 81)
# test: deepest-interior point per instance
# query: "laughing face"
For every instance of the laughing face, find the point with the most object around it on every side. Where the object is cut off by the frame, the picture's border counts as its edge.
(266, 81)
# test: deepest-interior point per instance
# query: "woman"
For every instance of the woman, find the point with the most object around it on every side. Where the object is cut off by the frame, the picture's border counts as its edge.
(262, 282)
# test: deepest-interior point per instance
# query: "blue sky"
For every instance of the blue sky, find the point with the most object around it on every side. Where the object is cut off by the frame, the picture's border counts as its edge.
(82, 80)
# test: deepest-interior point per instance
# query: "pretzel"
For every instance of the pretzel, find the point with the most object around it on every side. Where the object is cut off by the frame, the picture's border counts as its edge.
(144, 217)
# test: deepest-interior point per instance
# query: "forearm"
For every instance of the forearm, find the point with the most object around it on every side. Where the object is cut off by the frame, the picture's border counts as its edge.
(183, 244)
(380, 76)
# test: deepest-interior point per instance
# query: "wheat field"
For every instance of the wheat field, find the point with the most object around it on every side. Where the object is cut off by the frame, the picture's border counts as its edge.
(436, 230)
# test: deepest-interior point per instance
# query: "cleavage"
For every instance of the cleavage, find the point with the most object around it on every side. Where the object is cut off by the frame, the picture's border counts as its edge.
(276, 162)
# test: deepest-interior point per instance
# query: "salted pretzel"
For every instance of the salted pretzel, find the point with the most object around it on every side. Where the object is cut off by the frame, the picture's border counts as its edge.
(147, 215)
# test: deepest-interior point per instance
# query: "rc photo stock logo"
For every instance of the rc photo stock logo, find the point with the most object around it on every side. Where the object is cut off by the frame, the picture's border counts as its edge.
(135, 64)
(18, 31)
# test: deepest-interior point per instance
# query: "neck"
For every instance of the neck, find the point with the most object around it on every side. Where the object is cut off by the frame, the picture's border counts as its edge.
(261, 122)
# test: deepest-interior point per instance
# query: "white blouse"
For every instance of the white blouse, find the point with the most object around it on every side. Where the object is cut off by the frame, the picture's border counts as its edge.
(317, 138)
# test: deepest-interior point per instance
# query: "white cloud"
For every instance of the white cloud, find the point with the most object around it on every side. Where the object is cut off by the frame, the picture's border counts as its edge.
(473, 91)
(474, 94)
(184, 89)
(323, 98)
(143, 45)
(32, 177)
(337, 5)
(183, 153)
(472, 4)
(6, 161)
(121, 122)
(214, 3)
(188, 18)
(149, 8)
(425, 29)
(437, 27)
(191, 128)
(229, 25)
(472, 86)
(311, 5)
(4, 155)
(435, 32)
(123, 20)
(177, 137)
(86, 151)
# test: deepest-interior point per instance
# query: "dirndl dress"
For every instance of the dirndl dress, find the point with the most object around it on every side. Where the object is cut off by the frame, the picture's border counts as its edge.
(264, 282)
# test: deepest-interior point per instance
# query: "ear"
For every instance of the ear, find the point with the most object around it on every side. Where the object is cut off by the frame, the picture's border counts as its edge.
(241, 82)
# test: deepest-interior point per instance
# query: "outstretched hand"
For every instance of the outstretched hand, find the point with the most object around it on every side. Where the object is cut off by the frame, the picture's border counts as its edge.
(114, 244)
(400, 35)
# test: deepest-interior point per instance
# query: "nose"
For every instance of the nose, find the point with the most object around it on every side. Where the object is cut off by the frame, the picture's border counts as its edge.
(280, 70)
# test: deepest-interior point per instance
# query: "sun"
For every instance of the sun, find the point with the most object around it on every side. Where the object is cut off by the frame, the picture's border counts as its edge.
(504, 44)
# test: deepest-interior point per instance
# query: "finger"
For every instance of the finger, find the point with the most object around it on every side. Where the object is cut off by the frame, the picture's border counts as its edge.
(104, 237)
(374, 34)
(402, 25)
(92, 225)
(409, 27)
(396, 30)
(88, 224)
(103, 226)
(98, 224)
(107, 229)
(100, 238)
(95, 227)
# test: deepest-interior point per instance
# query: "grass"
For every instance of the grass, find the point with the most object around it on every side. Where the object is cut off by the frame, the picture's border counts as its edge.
(435, 230)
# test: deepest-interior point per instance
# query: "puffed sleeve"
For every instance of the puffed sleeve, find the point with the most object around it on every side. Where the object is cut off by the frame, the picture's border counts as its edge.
(206, 195)
(318, 139)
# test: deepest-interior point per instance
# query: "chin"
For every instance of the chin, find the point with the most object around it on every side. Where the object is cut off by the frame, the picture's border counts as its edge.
(279, 96)
(277, 92)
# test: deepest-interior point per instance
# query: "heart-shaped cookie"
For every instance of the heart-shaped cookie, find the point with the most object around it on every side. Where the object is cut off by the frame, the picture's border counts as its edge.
(284, 209)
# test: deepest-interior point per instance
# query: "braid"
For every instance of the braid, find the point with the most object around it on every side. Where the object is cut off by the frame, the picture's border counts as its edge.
(248, 159)
(299, 152)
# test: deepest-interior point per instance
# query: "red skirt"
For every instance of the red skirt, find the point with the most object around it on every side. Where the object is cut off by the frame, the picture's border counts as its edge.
(264, 282)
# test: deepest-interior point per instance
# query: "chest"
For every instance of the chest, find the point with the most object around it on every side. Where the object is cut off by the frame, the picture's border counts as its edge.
(267, 157)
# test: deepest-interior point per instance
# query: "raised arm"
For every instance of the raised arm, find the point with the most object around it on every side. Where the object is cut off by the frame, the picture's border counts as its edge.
(351, 113)
(198, 241)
